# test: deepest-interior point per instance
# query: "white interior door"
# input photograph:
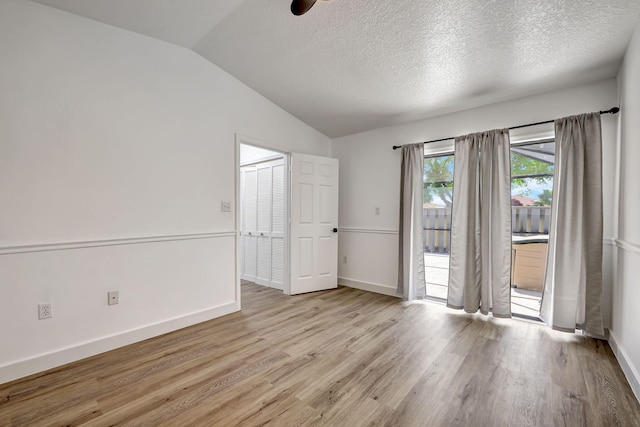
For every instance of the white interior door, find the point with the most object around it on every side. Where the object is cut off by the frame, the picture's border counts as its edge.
(314, 222)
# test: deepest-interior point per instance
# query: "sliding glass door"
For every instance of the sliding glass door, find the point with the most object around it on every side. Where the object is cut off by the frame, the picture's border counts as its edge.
(437, 197)
(532, 165)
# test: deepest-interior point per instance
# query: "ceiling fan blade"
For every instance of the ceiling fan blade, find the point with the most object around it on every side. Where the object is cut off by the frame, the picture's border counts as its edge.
(299, 7)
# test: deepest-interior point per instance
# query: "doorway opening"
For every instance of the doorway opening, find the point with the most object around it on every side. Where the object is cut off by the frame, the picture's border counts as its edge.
(263, 237)
(532, 164)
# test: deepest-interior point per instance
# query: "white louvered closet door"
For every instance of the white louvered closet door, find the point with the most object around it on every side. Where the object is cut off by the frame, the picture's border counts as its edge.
(263, 267)
(263, 222)
(249, 223)
(278, 216)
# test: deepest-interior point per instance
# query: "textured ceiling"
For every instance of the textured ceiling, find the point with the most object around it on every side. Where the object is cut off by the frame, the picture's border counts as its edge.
(349, 66)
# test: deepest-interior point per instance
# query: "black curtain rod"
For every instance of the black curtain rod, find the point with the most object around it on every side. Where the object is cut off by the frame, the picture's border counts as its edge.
(613, 110)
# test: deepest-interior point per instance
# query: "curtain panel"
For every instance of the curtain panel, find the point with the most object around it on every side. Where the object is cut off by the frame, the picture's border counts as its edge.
(573, 280)
(411, 283)
(480, 263)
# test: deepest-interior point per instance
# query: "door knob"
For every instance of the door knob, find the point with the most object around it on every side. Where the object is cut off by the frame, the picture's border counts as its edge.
(335, 230)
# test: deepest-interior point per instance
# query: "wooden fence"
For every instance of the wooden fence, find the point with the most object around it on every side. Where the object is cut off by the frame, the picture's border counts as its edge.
(525, 220)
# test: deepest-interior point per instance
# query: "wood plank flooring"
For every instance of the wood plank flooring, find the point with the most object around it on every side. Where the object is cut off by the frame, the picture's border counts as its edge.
(337, 358)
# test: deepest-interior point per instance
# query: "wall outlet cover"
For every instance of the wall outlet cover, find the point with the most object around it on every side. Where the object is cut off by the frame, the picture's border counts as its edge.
(225, 206)
(44, 311)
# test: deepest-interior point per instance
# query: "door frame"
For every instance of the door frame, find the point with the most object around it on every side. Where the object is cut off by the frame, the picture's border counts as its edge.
(247, 140)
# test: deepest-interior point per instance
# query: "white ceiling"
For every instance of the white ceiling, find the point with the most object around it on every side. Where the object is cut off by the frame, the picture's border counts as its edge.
(349, 66)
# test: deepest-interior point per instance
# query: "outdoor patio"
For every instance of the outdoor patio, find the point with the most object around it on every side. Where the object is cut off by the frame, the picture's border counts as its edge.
(523, 302)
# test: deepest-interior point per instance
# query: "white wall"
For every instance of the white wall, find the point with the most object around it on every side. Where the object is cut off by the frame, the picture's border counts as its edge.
(625, 336)
(110, 142)
(370, 176)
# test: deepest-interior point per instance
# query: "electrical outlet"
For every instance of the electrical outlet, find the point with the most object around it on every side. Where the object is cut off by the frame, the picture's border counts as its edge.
(344, 259)
(113, 297)
(44, 311)
(225, 206)
(377, 210)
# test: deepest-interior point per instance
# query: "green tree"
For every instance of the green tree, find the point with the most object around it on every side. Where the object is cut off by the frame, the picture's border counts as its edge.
(524, 168)
(438, 176)
(438, 179)
(544, 199)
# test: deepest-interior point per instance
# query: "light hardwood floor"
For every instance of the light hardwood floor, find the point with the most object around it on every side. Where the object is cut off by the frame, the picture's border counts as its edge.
(336, 358)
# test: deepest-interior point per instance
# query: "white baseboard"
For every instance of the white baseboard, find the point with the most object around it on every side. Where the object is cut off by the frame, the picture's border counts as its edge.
(629, 370)
(80, 351)
(364, 286)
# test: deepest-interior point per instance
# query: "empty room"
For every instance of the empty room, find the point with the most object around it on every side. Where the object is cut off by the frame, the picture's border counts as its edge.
(319, 213)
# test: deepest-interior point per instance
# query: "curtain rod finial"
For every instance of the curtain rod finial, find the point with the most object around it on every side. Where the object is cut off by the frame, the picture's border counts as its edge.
(614, 110)
(395, 147)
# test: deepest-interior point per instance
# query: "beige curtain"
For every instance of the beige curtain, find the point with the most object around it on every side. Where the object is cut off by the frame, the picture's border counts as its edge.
(411, 284)
(480, 263)
(573, 280)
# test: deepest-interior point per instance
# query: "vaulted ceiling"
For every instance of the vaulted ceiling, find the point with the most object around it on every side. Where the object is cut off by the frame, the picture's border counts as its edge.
(349, 66)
